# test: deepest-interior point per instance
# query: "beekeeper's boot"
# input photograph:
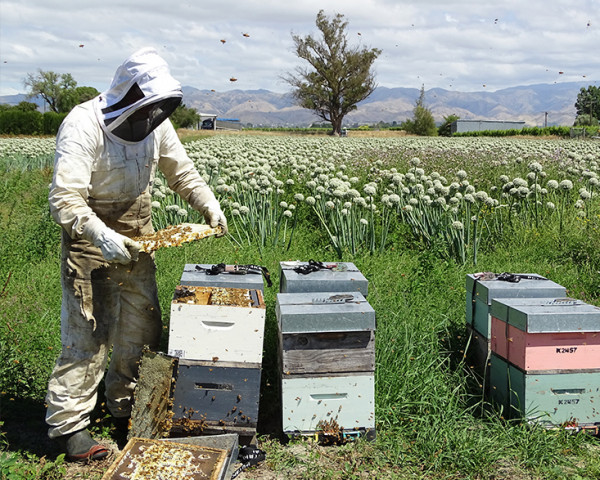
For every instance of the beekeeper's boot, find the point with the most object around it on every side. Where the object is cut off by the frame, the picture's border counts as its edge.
(81, 447)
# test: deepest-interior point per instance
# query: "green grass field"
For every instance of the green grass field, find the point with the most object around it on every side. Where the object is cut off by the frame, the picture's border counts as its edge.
(432, 419)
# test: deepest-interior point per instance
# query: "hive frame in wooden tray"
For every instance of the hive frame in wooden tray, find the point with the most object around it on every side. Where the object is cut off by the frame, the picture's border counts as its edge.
(141, 455)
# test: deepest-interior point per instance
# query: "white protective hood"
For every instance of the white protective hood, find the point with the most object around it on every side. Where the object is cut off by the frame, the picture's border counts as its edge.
(143, 80)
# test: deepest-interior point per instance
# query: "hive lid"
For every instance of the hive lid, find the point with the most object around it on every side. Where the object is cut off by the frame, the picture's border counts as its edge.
(324, 312)
(547, 315)
(487, 289)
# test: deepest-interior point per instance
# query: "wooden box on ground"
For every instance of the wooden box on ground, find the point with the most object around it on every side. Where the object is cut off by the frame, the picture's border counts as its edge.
(216, 396)
(214, 323)
(567, 398)
(341, 277)
(195, 275)
(480, 294)
(327, 360)
(314, 403)
(546, 334)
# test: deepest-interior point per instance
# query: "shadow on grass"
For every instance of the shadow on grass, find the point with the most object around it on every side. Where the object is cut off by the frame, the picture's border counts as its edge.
(24, 427)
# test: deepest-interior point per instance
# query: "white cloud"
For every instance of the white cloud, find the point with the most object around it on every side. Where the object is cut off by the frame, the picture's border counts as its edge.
(459, 45)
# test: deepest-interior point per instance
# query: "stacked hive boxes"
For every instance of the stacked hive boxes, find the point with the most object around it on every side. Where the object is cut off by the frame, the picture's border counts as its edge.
(217, 333)
(481, 291)
(327, 352)
(545, 361)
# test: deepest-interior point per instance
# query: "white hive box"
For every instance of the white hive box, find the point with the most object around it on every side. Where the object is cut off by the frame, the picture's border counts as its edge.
(217, 324)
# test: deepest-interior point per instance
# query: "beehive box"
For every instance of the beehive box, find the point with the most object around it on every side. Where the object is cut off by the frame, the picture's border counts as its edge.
(568, 398)
(217, 324)
(341, 277)
(546, 334)
(478, 354)
(325, 311)
(480, 293)
(320, 337)
(312, 404)
(195, 275)
(209, 395)
(147, 458)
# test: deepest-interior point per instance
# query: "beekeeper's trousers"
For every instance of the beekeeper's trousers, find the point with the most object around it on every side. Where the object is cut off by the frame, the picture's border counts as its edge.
(107, 305)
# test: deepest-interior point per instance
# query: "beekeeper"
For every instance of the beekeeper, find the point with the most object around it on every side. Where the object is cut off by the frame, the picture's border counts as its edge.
(107, 152)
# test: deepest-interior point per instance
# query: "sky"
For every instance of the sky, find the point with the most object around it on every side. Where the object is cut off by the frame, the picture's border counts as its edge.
(222, 45)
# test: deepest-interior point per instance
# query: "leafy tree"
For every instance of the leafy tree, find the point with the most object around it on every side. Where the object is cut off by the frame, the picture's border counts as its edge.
(338, 76)
(588, 104)
(71, 97)
(184, 117)
(445, 129)
(422, 122)
(585, 120)
(26, 106)
(50, 86)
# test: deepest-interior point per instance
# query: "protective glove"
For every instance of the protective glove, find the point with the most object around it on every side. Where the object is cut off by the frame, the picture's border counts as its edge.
(116, 247)
(213, 215)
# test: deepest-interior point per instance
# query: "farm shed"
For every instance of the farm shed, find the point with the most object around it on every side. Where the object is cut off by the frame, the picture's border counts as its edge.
(461, 126)
(212, 122)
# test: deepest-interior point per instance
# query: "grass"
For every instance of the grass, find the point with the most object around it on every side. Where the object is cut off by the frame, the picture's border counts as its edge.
(432, 419)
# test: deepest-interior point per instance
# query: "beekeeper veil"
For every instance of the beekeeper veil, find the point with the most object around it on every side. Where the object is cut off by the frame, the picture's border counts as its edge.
(142, 95)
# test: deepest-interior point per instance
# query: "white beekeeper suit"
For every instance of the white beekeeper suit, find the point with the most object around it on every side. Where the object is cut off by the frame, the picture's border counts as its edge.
(107, 153)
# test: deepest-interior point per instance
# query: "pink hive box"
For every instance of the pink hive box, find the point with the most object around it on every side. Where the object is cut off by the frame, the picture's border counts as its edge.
(546, 334)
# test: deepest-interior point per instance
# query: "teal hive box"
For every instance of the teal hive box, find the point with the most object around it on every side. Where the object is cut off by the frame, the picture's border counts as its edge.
(342, 277)
(567, 399)
(480, 293)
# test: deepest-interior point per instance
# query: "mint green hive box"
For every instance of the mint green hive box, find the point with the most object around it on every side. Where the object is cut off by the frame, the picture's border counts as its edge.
(568, 399)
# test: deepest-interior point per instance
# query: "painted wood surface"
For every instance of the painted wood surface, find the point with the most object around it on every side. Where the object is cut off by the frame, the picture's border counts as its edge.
(545, 351)
(222, 332)
(308, 402)
(224, 396)
(551, 399)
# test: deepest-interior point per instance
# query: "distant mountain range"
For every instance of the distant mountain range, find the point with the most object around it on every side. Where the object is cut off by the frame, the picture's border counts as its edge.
(533, 104)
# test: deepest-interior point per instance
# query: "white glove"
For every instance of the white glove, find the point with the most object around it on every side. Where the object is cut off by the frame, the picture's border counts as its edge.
(213, 215)
(116, 247)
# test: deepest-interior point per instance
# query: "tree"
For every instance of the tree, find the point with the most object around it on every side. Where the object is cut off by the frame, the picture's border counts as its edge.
(50, 86)
(422, 122)
(67, 99)
(588, 105)
(445, 129)
(184, 117)
(338, 76)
